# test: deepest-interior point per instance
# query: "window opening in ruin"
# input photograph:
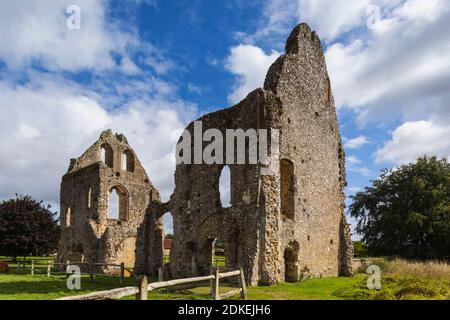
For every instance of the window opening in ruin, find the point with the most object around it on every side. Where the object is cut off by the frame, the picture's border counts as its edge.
(107, 155)
(287, 188)
(168, 237)
(225, 187)
(118, 203)
(68, 216)
(127, 161)
(291, 270)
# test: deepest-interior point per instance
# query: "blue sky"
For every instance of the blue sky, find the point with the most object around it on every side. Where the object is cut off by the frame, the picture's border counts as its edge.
(148, 67)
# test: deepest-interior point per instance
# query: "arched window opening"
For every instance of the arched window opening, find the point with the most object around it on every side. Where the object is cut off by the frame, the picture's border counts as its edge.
(168, 236)
(68, 216)
(287, 188)
(225, 187)
(118, 204)
(291, 269)
(107, 155)
(89, 199)
(128, 161)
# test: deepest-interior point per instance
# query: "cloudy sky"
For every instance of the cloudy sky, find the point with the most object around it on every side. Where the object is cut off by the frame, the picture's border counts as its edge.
(147, 67)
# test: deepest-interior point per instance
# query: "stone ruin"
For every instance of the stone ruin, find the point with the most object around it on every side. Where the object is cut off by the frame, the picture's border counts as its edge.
(88, 234)
(279, 227)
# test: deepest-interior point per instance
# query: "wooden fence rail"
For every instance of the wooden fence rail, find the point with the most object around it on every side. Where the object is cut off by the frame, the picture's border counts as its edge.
(143, 287)
(50, 265)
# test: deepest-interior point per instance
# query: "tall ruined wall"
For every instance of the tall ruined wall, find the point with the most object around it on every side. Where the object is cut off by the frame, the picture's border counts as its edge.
(311, 149)
(87, 230)
(199, 216)
(279, 227)
(288, 224)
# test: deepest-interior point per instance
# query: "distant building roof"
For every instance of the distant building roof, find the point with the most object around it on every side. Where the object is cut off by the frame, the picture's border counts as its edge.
(168, 244)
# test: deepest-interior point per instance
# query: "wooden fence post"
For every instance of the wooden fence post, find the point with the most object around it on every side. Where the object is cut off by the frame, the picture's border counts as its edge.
(122, 273)
(91, 272)
(49, 266)
(160, 274)
(216, 285)
(143, 288)
(18, 265)
(32, 267)
(211, 283)
(242, 284)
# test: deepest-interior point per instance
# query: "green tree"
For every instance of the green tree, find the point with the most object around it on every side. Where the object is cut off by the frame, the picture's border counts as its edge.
(27, 227)
(360, 249)
(406, 212)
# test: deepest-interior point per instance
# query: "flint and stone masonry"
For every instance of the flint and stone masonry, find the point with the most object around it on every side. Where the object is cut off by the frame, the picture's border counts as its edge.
(279, 227)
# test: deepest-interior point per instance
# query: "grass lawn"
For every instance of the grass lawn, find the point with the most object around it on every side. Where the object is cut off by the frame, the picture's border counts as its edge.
(399, 280)
(311, 289)
(16, 286)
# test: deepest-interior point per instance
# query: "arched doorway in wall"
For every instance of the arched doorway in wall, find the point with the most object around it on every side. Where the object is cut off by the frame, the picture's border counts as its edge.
(168, 236)
(219, 256)
(291, 263)
(287, 188)
(211, 254)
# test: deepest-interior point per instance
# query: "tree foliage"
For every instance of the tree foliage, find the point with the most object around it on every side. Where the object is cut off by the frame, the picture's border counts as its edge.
(406, 212)
(27, 227)
(360, 249)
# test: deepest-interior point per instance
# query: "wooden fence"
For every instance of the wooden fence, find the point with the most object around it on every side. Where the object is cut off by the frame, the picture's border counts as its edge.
(141, 290)
(38, 266)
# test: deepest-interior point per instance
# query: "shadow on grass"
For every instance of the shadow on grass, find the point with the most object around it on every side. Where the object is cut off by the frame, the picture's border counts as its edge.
(19, 286)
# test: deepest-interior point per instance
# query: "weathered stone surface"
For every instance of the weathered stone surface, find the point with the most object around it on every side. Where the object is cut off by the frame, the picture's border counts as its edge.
(287, 225)
(88, 234)
(279, 227)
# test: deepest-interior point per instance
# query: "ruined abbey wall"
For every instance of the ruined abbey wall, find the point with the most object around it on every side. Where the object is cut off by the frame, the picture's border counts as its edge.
(280, 226)
(88, 232)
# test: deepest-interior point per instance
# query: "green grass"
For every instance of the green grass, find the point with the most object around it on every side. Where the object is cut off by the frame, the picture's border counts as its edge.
(15, 286)
(311, 289)
(400, 280)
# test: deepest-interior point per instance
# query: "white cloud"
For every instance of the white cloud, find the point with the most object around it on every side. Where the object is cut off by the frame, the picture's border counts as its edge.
(47, 126)
(160, 65)
(250, 64)
(356, 143)
(48, 119)
(36, 31)
(352, 160)
(397, 69)
(330, 18)
(353, 165)
(414, 139)
(193, 88)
